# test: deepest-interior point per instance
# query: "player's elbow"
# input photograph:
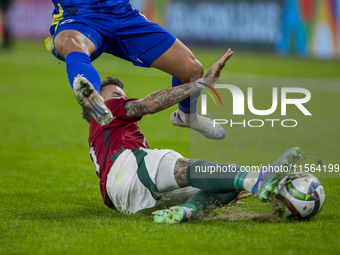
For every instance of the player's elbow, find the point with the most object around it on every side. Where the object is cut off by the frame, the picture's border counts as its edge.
(150, 107)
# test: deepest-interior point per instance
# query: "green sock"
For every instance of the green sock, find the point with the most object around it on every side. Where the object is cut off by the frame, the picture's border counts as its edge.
(191, 207)
(201, 200)
(228, 181)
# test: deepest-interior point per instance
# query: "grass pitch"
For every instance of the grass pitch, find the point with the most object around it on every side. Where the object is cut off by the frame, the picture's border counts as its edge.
(49, 192)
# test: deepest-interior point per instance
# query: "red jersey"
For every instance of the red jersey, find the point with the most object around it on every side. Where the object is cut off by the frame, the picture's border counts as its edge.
(122, 133)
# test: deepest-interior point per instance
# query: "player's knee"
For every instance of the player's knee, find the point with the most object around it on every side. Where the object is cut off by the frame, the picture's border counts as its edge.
(193, 69)
(66, 45)
(199, 69)
(70, 45)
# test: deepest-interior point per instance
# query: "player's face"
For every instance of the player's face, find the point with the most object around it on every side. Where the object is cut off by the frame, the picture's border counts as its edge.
(111, 91)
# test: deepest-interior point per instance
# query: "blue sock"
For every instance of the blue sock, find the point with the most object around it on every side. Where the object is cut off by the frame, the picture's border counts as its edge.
(188, 105)
(80, 63)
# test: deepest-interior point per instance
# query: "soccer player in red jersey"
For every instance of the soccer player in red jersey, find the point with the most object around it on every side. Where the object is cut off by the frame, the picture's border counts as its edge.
(137, 179)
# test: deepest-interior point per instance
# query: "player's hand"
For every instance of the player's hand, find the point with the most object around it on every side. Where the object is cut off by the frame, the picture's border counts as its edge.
(215, 71)
(241, 195)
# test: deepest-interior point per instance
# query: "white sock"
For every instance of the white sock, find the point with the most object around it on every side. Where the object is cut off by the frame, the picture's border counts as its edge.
(250, 180)
(188, 211)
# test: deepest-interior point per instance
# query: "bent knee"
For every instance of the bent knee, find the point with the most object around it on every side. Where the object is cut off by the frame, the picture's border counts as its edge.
(65, 43)
(70, 45)
(193, 69)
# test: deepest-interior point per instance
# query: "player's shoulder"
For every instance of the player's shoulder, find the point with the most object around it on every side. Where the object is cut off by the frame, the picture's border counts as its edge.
(118, 100)
(116, 105)
(115, 99)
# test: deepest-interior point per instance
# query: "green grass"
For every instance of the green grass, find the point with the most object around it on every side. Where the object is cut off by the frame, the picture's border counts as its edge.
(49, 192)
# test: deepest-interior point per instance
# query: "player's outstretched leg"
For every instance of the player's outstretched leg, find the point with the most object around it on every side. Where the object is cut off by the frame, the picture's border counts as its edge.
(88, 98)
(200, 201)
(201, 124)
(270, 176)
(180, 62)
(263, 184)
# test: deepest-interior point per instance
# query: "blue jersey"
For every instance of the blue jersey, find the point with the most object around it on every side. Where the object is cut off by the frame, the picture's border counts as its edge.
(86, 8)
(114, 27)
(90, 7)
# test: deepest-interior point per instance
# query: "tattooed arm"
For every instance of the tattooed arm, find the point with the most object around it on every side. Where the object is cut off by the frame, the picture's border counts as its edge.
(159, 100)
(166, 98)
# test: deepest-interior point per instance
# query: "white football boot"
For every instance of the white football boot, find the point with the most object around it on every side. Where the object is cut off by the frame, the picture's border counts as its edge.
(88, 98)
(199, 123)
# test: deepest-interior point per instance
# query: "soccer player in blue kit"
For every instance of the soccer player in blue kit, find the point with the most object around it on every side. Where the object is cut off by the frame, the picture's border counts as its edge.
(82, 30)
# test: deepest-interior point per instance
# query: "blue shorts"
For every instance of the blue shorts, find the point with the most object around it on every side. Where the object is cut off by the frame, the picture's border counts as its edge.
(129, 36)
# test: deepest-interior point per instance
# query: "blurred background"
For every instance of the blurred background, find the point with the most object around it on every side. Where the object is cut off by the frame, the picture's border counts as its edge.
(48, 184)
(302, 27)
(270, 39)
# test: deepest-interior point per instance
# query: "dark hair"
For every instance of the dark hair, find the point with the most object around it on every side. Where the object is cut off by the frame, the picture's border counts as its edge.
(107, 81)
(112, 81)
